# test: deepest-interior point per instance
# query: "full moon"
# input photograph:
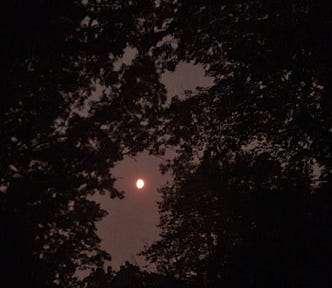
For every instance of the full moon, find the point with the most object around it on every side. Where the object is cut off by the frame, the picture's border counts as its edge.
(139, 183)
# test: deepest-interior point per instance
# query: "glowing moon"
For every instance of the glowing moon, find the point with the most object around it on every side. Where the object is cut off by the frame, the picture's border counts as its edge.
(139, 183)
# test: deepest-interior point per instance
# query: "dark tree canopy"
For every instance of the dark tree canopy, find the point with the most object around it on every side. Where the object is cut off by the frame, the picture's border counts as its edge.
(251, 196)
(250, 203)
(129, 276)
(56, 148)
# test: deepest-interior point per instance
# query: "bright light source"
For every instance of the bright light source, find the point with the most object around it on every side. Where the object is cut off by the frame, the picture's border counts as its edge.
(139, 183)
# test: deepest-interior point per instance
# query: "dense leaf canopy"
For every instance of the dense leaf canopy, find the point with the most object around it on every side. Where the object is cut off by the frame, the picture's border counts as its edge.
(251, 197)
(68, 112)
(250, 203)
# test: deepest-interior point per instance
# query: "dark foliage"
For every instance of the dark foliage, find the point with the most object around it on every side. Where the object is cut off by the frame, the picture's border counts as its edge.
(129, 276)
(250, 204)
(251, 196)
(56, 148)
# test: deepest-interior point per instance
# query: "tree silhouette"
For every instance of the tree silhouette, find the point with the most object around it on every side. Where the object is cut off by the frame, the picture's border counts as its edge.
(254, 149)
(56, 148)
(130, 276)
(250, 203)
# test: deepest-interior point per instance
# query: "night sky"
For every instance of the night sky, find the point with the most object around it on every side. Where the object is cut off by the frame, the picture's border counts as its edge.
(131, 222)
